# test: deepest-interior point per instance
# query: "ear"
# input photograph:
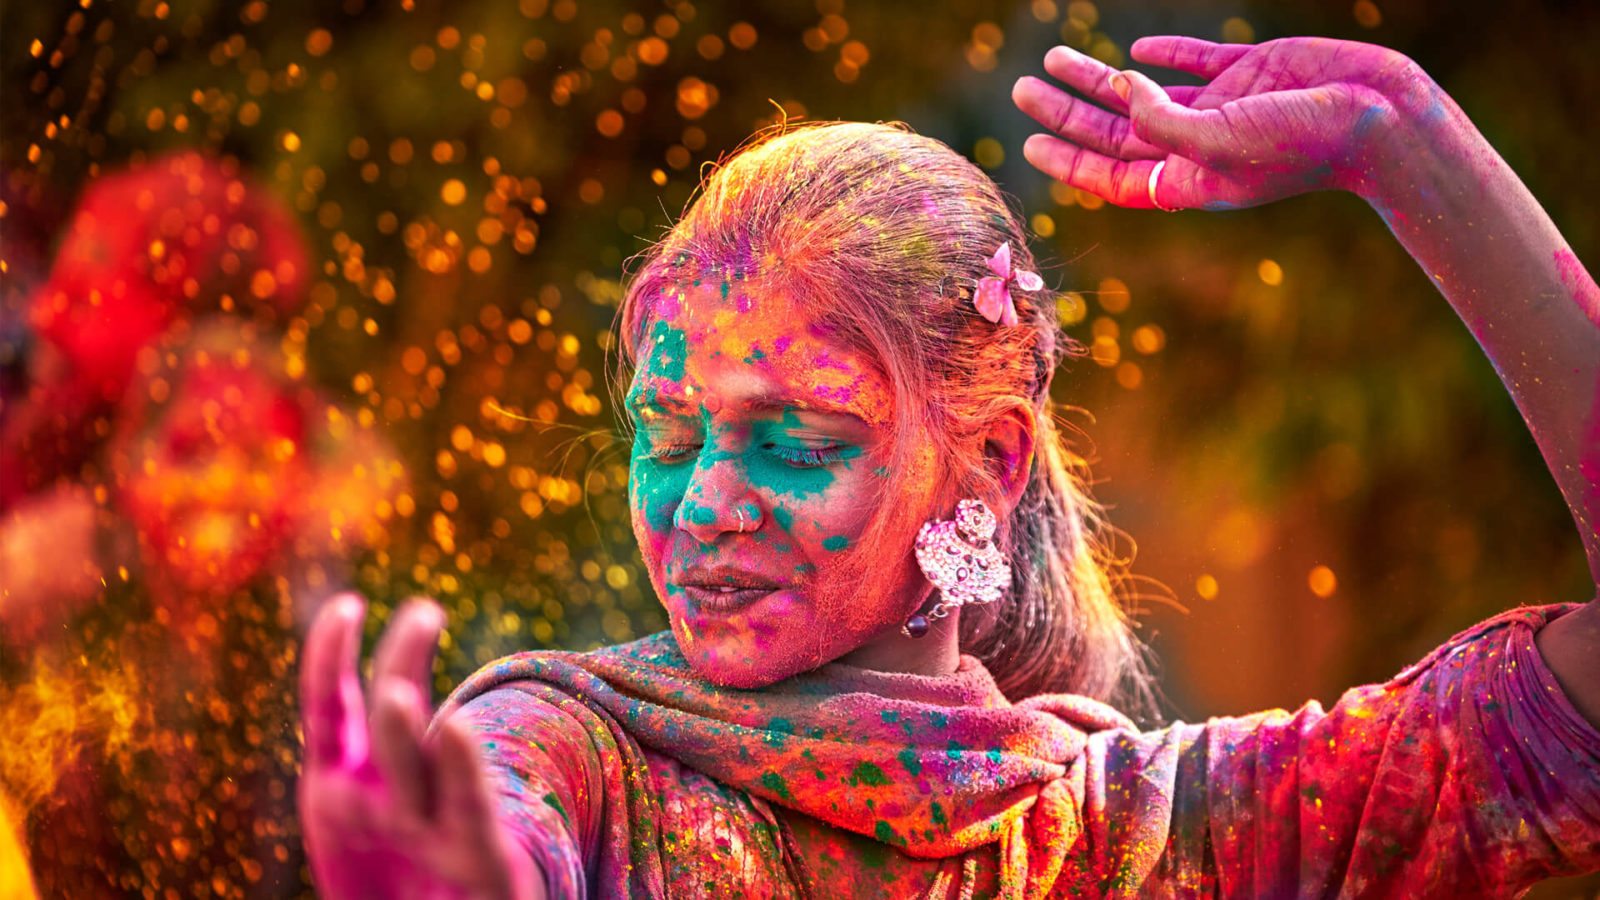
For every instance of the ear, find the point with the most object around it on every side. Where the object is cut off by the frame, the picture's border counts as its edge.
(1008, 452)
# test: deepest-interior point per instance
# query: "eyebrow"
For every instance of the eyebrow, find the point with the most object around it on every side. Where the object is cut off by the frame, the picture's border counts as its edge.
(760, 403)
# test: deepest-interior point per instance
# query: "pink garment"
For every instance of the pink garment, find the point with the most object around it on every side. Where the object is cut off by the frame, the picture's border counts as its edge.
(1469, 774)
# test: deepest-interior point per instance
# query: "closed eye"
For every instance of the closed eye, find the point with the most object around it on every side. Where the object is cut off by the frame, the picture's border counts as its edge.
(672, 453)
(808, 457)
(798, 457)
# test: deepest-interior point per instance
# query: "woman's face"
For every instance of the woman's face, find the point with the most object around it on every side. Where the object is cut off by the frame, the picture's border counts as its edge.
(756, 464)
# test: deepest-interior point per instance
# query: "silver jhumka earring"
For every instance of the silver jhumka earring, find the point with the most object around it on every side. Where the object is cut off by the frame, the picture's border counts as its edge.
(962, 561)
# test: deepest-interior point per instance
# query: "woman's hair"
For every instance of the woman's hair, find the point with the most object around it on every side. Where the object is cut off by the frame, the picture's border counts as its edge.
(881, 235)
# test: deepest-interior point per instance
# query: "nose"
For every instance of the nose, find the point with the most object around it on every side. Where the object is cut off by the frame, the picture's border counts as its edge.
(719, 500)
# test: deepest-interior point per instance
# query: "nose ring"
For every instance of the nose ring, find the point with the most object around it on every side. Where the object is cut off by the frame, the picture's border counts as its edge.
(740, 512)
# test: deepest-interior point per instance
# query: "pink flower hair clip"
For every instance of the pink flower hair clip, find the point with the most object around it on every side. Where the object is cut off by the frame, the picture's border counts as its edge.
(993, 299)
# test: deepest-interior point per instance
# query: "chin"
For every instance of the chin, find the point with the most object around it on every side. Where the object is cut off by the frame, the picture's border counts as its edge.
(735, 664)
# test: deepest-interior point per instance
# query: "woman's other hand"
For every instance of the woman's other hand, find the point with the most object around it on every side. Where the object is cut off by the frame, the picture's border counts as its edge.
(1273, 120)
(385, 812)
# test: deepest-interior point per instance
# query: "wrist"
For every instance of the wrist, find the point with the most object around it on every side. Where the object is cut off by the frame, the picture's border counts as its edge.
(1413, 143)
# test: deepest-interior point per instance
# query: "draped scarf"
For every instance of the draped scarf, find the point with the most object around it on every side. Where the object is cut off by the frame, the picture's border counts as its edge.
(939, 767)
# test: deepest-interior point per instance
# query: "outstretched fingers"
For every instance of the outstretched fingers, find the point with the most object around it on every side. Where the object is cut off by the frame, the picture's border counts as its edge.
(402, 669)
(1090, 77)
(1084, 74)
(1080, 121)
(1187, 54)
(399, 719)
(334, 714)
(1123, 182)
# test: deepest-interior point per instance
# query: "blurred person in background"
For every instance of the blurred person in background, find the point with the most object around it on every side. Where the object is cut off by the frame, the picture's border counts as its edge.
(171, 481)
(143, 249)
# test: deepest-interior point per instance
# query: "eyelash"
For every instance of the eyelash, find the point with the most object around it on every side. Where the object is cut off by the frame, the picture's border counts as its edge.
(805, 457)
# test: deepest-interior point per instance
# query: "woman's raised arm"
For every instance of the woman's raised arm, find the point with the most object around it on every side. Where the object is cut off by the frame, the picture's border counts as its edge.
(1304, 114)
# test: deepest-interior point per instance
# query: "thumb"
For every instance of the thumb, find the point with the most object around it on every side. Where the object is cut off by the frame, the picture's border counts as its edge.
(1160, 120)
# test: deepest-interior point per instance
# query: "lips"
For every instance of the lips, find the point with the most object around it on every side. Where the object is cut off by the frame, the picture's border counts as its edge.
(713, 600)
(724, 590)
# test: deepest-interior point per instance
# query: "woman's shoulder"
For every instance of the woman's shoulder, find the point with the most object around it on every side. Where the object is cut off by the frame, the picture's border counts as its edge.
(1521, 621)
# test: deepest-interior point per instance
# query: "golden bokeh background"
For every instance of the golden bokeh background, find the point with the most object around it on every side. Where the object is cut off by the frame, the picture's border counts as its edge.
(301, 297)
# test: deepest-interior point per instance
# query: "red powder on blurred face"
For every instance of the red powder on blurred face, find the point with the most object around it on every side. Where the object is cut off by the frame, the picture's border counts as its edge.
(210, 477)
(746, 416)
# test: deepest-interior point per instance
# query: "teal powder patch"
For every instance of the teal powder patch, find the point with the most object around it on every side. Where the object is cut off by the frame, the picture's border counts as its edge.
(773, 782)
(671, 349)
(869, 774)
(554, 802)
(886, 834)
(909, 761)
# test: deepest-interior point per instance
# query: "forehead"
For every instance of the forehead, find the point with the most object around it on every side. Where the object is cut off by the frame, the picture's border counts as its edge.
(717, 343)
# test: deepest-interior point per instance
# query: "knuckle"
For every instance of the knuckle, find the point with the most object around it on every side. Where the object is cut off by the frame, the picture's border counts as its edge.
(1123, 183)
(1070, 170)
(1061, 115)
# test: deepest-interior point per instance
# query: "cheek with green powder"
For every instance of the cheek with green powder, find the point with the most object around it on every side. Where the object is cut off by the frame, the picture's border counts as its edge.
(654, 493)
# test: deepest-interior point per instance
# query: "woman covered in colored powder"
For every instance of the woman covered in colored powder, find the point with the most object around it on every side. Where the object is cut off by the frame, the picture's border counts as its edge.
(895, 666)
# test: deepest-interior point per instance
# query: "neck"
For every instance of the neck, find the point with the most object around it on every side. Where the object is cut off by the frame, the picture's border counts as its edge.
(936, 653)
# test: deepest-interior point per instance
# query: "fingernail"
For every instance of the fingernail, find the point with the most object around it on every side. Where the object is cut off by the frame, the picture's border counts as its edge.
(1119, 84)
(425, 608)
(351, 607)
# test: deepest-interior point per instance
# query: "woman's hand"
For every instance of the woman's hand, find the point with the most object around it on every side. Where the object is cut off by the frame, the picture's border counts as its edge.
(1274, 120)
(386, 813)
